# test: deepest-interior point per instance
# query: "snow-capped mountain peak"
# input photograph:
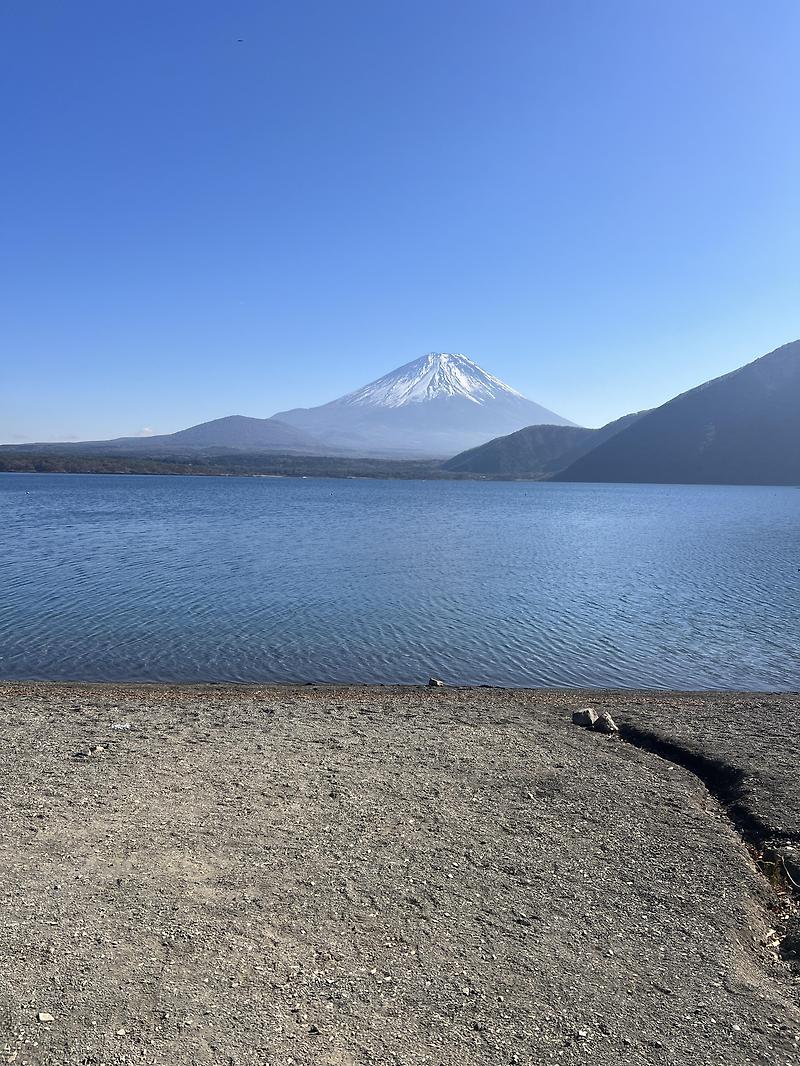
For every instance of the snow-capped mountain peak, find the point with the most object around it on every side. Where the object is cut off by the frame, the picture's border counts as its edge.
(435, 375)
(432, 407)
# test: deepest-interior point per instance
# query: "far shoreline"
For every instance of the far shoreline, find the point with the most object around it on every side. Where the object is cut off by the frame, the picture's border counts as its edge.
(444, 476)
(237, 687)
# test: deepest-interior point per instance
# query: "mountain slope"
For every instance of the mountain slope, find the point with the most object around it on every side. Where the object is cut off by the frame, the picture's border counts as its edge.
(234, 433)
(535, 451)
(739, 429)
(433, 406)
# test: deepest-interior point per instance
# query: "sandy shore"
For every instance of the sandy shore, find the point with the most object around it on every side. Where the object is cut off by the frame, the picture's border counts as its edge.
(395, 876)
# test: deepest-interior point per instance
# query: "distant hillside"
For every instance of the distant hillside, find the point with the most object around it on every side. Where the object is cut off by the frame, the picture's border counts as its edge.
(740, 429)
(536, 451)
(234, 433)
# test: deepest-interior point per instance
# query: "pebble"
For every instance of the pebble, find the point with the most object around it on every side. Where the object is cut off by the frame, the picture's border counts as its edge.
(586, 716)
(43, 1016)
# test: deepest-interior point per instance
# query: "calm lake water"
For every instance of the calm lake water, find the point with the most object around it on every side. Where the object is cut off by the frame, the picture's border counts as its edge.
(262, 579)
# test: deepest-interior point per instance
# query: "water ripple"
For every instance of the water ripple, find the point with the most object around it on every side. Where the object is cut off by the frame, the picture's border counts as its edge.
(184, 579)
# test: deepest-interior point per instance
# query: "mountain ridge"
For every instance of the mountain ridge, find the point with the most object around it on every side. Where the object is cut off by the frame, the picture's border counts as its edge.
(741, 428)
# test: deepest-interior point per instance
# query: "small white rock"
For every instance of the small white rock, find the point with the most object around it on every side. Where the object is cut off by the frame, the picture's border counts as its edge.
(586, 717)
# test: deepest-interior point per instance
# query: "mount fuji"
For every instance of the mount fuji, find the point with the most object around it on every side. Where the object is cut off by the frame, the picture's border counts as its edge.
(432, 407)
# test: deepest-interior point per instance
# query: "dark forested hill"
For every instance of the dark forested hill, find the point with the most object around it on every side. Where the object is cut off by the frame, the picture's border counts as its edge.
(535, 451)
(740, 429)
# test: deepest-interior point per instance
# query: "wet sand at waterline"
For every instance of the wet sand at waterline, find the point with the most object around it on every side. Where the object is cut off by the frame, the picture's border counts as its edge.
(346, 875)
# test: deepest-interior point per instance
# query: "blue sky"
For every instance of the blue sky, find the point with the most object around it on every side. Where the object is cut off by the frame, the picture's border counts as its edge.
(218, 208)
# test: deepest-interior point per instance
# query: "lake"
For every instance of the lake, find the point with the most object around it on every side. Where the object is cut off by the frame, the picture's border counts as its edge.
(107, 577)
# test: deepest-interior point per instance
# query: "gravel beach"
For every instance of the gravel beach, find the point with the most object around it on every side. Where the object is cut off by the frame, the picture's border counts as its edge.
(291, 875)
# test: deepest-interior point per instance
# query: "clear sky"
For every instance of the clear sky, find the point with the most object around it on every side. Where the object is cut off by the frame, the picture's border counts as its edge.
(212, 208)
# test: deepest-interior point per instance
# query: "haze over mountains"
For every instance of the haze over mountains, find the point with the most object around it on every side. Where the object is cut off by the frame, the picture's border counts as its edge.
(741, 428)
(429, 408)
